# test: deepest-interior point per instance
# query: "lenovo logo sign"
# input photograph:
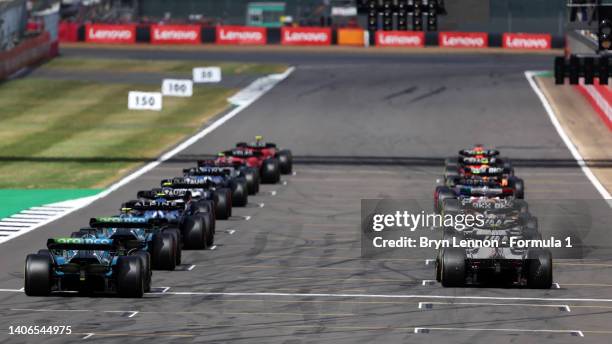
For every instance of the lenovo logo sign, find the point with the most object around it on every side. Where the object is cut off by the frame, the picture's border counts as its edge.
(527, 41)
(100, 33)
(241, 35)
(305, 36)
(463, 39)
(176, 34)
(400, 39)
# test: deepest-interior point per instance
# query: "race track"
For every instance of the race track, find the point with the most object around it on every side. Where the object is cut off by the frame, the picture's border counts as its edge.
(287, 269)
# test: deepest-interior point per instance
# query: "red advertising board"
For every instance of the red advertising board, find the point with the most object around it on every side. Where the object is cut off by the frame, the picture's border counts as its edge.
(68, 31)
(306, 36)
(463, 39)
(175, 34)
(110, 33)
(241, 35)
(400, 39)
(527, 41)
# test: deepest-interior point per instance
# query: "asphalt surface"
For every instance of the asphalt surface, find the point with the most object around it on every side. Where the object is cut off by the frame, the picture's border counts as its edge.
(364, 126)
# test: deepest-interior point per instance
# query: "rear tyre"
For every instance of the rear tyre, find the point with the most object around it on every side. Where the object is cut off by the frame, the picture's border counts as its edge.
(179, 243)
(442, 193)
(539, 270)
(270, 171)
(453, 267)
(252, 178)
(163, 253)
(450, 206)
(519, 187)
(223, 203)
(194, 231)
(130, 276)
(145, 261)
(285, 161)
(451, 162)
(37, 280)
(450, 173)
(239, 192)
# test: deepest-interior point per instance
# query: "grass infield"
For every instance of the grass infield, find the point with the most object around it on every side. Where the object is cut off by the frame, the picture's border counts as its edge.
(62, 134)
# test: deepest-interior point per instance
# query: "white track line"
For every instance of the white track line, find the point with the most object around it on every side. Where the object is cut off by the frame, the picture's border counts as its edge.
(568, 142)
(429, 305)
(243, 99)
(427, 329)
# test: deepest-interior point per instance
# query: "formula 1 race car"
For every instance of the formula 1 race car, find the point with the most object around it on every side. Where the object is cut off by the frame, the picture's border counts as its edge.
(138, 234)
(475, 189)
(199, 190)
(478, 157)
(222, 177)
(250, 174)
(195, 228)
(269, 168)
(87, 265)
(457, 267)
(498, 219)
(269, 150)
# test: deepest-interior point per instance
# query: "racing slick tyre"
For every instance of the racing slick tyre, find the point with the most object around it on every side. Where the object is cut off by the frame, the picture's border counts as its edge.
(450, 173)
(507, 166)
(163, 252)
(179, 243)
(539, 269)
(519, 187)
(145, 261)
(439, 266)
(270, 171)
(252, 178)
(453, 267)
(450, 206)
(451, 162)
(239, 192)
(223, 203)
(130, 276)
(206, 208)
(37, 281)
(196, 230)
(442, 193)
(285, 161)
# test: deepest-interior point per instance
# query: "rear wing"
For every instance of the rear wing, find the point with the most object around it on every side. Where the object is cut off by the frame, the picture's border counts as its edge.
(485, 171)
(243, 153)
(186, 183)
(167, 194)
(81, 244)
(484, 152)
(470, 160)
(208, 171)
(154, 205)
(126, 222)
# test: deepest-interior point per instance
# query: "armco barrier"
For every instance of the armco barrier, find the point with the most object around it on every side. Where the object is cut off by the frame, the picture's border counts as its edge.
(110, 33)
(527, 41)
(185, 34)
(25, 54)
(600, 98)
(244, 35)
(463, 39)
(175, 34)
(306, 36)
(413, 39)
(353, 37)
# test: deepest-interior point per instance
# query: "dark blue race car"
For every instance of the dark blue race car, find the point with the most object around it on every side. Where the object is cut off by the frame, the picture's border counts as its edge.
(87, 265)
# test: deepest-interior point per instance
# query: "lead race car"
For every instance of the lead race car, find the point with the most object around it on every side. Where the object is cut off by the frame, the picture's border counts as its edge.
(87, 265)
(270, 150)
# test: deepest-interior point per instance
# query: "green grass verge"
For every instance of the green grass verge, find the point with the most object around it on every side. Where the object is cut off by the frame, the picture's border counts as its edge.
(69, 134)
(15, 200)
(157, 66)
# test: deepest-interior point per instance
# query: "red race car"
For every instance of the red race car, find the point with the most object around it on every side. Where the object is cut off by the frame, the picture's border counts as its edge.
(269, 150)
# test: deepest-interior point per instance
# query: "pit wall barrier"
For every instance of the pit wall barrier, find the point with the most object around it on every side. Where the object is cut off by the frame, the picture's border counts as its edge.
(600, 98)
(245, 35)
(28, 52)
